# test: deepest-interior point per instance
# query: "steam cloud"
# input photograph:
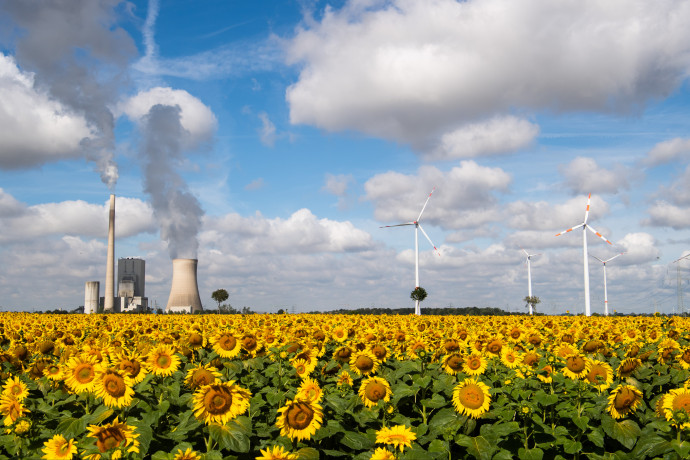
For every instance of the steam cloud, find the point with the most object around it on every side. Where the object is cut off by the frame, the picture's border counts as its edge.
(79, 57)
(178, 212)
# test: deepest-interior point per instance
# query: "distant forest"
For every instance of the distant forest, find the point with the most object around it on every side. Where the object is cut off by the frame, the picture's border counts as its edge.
(425, 311)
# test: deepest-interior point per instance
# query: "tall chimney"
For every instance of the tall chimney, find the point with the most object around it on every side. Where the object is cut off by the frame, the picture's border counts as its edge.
(91, 293)
(109, 295)
(184, 292)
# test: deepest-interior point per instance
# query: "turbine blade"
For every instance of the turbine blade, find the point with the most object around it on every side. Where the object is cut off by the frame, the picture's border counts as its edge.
(570, 229)
(599, 235)
(425, 203)
(589, 199)
(429, 239)
(526, 253)
(603, 262)
(398, 225)
(617, 255)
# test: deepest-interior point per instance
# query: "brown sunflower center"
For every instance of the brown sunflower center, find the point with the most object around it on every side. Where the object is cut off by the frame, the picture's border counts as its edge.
(249, 342)
(163, 361)
(597, 374)
(471, 396)
(474, 363)
(575, 364)
(682, 402)
(343, 354)
(455, 362)
(379, 351)
(202, 377)
(84, 373)
(217, 400)
(375, 391)
(227, 342)
(114, 385)
(110, 438)
(195, 340)
(494, 346)
(624, 399)
(131, 367)
(299, 415)
(364, 363)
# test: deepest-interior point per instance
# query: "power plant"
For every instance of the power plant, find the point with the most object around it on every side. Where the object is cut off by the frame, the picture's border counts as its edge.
(131, 277)
(184, 291)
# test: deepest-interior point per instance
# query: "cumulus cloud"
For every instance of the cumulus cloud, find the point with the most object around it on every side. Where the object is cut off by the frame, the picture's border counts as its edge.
(73, 218)
(496, 136)
(413, 70)
(668, 151)
(672, 209)
(267, 133)
(465, 196)
(196, 118)
(639, 248)
(584, 175)
(36, 128)
(337, 184)
(540, 215)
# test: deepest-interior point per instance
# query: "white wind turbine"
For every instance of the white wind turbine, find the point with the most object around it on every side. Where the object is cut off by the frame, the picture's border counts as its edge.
(585, 227)
(529, 276)
(416, 246)
(606, 299)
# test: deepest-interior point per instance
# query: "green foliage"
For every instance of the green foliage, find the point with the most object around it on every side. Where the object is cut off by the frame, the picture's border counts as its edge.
(220, 296)
(418, 294)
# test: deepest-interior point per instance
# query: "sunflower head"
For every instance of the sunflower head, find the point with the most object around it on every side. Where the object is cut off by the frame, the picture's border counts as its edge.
(220, 402)
(59, 448)
(115, 437)
(399, 436)
(623, 400)
(299, 419)
(373, 390)
(471, 398)
(364, 363)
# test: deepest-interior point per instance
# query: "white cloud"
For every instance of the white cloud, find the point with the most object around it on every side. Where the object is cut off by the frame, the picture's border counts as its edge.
(541, 215)
(639, 248)
(74, 218)
(256, 184)
(464, 196)
(665, 214)
(338, 184)
(667, 151)
(413, 70)
(496, 136)
(35, 127)
(584, 175)
(267, 133)
(196, 118)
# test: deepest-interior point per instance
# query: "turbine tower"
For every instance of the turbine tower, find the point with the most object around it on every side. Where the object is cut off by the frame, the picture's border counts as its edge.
(416, 224)
(529, 277)
(606, 299)
(679, 287)
(586, 227)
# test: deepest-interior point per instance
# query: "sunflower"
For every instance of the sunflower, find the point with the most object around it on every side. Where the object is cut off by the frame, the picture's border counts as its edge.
(380, 351)
(399, 436)
(452, 364)
(381, 453)
(342, 354)
(373, 390)
(471, 398)
(676, 401)
(53, 372)
(299, 419)
(277, 453)
(59, 448)
(188, 454)
(220, 402)
(163, 361)
(116, 438)
(339, 334)
(576, 367)
(475, 364)
(344, 379)
(81, 373)
(545, 375)
(510, 358)
(494, 346)
(627, 367)
(114, 387)
(564, 350)
(200, 375)
(132, 365)
(623, 400)
(684, 358)
(15, 387)
(301, 367)
(11, 409)
(600, 374)
(364, 362)
(196, 340)
(226, 345)
(310, 390)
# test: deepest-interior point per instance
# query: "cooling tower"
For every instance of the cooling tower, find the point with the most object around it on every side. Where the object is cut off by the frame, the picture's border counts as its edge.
(91, 295)
(184, 292)
(109, 295)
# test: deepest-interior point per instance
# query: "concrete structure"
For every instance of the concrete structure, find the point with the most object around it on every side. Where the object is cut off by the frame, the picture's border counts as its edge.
(184, 291)
(109, 295)
(131, 277)
(92, 292)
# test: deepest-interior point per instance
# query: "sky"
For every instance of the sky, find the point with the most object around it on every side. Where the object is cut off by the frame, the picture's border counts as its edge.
(273, 140)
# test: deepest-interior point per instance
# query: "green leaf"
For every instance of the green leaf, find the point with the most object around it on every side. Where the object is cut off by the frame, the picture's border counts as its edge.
(596, 437)
(545, 399)
(215, 455)
(650, 445)
(443, 417)
(71, 427)
(160, 455)
(682, 448)
(530, 454)
(625, 432)
(494, 433)
(477, 446)
(145, 436)
(356, 441)
(335, 453)
(308, 453)
(438, 445)
(581, 422)
(435, 402)
(229, 438)
(503, 455)
(101, 413)
(571, 447)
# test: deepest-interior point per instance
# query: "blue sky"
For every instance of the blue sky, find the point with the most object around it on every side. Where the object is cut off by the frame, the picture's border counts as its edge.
(272, 140)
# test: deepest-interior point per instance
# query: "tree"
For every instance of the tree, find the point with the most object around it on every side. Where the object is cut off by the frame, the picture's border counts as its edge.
(418, 294)
(533, 301)
(220, 296)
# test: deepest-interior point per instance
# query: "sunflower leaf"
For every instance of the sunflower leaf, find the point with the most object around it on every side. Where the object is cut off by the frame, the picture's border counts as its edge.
(72, 427)
(356, 441)
(650, 445)
(682, 448)
(228, 438)
(477, 446)
(308, 453)
(530, 454)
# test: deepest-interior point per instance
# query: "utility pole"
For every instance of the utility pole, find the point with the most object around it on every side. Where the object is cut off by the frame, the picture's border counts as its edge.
(679, 286)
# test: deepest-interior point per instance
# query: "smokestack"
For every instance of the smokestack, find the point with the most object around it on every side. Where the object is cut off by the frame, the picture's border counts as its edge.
(184, 292)
(92, 291)
(109, 300)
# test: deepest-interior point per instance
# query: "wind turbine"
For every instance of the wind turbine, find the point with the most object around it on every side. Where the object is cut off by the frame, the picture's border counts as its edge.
(585, 227)
(416, 246)
(606, 299)
(529, 276)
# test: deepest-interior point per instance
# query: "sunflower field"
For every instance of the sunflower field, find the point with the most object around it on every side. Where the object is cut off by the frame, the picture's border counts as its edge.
(309, 387)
